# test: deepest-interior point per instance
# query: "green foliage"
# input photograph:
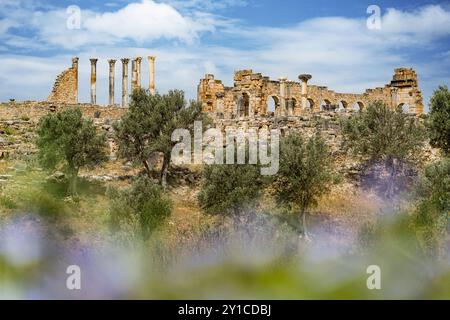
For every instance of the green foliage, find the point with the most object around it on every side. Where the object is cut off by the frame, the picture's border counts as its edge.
(67, 141)
(432, 217)
(7, 202)
(10, 131)
(305, 173)
(229, 189)
(380, 134)
(148, 125)
(439, 119)
(142, 207)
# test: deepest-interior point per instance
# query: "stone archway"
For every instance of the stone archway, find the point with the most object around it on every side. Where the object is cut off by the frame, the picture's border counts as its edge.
(292, 106)
(404, 107)
(358, 106)
(273, 104)
(310, 104)
(342, 106)
(325, 105)
(243, 105)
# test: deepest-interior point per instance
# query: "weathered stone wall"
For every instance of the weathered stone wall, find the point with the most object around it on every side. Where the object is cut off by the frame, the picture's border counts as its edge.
(250, 95)
(18, 122)
(65, 88)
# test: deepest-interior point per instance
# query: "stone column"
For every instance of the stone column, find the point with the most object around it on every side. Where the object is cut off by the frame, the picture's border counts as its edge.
(112, 64)
(151, 66)
(133, 75)
(93, 80)
(125, 82)
(75, 67)
(283, 110)
(304, 78)
(138, 70)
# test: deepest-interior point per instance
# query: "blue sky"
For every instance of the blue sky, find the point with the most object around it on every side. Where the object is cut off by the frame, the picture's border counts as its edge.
(329, 39)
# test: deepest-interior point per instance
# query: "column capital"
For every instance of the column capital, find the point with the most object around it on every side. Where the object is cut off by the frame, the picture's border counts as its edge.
(305, 77)
(93, 60)
(138, 59)
(125, 60)
(151, 58)
(282, 79)
(112, 61)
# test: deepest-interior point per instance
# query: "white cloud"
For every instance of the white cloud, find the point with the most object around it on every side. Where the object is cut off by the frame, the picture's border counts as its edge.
(339, 52)
(426, 23)
(146, 21)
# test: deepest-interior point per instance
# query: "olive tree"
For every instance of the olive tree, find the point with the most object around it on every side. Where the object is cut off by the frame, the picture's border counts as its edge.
(304, 176)
(69, 142)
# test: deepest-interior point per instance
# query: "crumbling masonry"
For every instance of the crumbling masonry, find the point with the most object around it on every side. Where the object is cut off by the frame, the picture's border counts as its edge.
(254, 96)
(65, 89)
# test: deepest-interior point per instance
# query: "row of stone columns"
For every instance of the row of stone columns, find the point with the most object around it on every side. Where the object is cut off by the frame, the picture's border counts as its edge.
(135, 78)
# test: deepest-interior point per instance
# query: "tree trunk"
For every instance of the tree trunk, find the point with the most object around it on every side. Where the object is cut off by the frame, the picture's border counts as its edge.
(392, 179)
(164, 169)
(73, 181)
(147, 169)
(304, 225)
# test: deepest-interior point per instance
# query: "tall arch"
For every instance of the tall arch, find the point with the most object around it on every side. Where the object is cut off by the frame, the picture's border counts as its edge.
(272, 105)
(358, 106)
(325, 105)
(310, 104)
(342, 105)
(243, 105)
(292, 105)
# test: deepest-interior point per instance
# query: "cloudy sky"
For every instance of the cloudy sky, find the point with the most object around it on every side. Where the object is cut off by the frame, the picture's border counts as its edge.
(329, 39)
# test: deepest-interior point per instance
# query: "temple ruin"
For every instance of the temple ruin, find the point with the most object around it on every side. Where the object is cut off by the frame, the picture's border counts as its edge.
(65, 88)
(253, 95)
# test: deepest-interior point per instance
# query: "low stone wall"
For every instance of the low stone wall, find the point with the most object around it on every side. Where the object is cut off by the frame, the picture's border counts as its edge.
(18, 121)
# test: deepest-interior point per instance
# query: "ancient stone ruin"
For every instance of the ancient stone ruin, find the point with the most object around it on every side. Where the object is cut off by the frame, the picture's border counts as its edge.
(65, 89)
(254, 95)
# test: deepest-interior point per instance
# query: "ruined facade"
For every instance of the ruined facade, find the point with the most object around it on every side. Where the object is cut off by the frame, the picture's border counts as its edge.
(65, 89)
(254, 95)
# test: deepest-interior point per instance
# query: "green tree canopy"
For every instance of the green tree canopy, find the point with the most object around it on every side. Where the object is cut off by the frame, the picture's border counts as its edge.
(380, 134)
(432, 218)
(229, 189)
(143, 206)
(148, 125)
(69, 142)
(305, 174)
(439, 120)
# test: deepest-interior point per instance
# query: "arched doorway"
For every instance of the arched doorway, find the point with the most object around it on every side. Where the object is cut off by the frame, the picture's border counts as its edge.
(292, 105)
(309, 104)
(243, 105)
(342, 106)
(272, 105)
(358, 106)
(325, 105)
(404, 107)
